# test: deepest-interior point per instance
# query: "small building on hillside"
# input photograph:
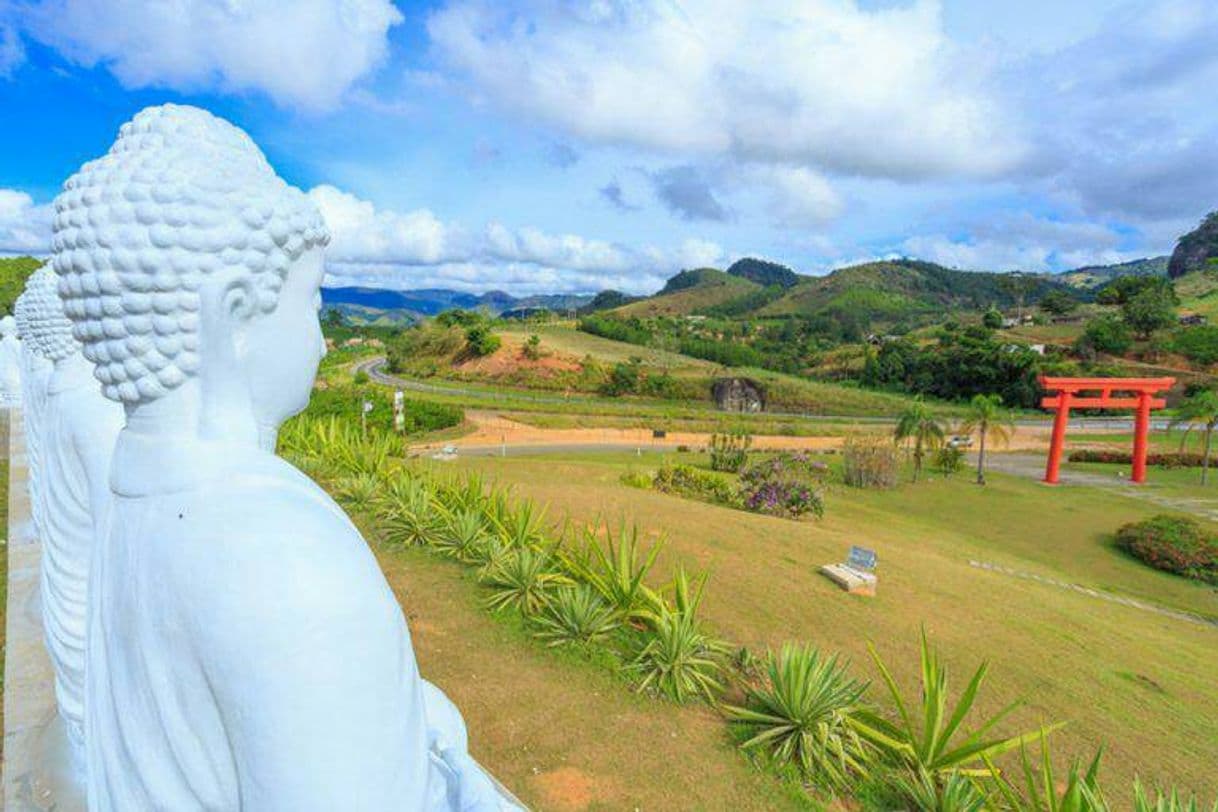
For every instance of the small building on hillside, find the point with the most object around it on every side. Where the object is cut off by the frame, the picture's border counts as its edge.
(738, 395)
(1192, 319)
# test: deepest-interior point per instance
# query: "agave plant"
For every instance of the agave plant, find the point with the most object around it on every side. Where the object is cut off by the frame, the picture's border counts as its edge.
(616, 570)
(463, 535)
(677, 657)
(954, 792)
(408, 512)
(801, 715)
(1080, 792)
(359, 491)
(575, 614)
(466, 493)
(933, 744)
(521, 579)
(1170, 801)
(339, 442)
(518, 525)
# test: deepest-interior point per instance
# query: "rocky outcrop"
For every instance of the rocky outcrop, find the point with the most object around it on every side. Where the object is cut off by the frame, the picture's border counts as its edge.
(1196, 248)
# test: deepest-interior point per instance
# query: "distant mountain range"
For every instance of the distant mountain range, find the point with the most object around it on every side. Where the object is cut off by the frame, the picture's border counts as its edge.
(380, 305)
(754, 287)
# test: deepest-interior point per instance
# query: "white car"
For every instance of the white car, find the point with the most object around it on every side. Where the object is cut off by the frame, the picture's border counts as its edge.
(961, 441)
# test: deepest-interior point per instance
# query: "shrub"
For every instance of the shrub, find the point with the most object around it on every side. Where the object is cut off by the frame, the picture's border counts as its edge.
(690, 482)
(728, 452)
(1175, 544)
(638, 479)
(949, 459)
(574, 614)
(787, 484)
(801, 714)
(532, 347)
(1106, 334)
(992, 318)
(480, 341)
(869, 461)
(1198, 344)
(1166, 459)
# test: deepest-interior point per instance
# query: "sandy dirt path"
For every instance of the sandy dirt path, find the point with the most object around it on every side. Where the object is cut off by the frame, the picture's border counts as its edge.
(493, 429)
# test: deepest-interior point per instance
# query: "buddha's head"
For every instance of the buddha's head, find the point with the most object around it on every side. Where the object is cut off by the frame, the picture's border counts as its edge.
(8, 327)
(43, 325)
(190, 271)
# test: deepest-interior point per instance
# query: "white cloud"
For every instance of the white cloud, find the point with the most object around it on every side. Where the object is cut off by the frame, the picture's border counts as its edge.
(819, 83)
(795, 197)
(24, 226)
(415, 249)
(12, 52)
(303, 53)
(359, 232)
(1024, 243)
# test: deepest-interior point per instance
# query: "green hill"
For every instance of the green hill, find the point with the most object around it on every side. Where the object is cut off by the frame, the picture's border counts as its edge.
(898, 290)
(764, 273)
(1093, 276)
(13, 273)
(689, 292)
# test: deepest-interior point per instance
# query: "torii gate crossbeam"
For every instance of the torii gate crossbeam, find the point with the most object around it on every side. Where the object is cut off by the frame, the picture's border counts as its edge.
(1066, 394)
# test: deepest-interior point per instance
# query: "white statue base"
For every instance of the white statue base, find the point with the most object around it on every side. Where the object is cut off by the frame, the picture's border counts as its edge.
(37, 772)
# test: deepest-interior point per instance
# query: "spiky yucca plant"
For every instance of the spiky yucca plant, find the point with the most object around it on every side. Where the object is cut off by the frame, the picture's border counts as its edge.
(1170, 801)
(521, 579)
(676, 656)
(954, 792)
(463, 535)
(407, 511)
(359, 491)
(801, 715)
(932, 744)
(616, 569)
(1043, 792)
(575, 614)
(518, 525)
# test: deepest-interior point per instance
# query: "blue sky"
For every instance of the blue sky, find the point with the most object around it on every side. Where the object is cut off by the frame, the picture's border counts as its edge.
(554, 146)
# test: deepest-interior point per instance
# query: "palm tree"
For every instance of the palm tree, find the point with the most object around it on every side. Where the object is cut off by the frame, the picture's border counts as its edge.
(1201, 408)
(987, 419)
(919, 424)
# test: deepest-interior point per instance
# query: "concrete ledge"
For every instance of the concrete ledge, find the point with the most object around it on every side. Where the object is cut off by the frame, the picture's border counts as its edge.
(853, 581)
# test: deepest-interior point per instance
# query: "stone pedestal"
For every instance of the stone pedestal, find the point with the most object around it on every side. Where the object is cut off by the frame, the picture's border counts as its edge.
(36, 771)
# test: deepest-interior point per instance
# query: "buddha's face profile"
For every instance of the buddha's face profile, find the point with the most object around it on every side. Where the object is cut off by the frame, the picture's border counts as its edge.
(285, 346)
(190, 271)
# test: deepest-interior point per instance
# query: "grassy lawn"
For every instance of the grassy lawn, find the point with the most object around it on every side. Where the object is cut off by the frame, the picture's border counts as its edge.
(1137, 682)
(561, 733)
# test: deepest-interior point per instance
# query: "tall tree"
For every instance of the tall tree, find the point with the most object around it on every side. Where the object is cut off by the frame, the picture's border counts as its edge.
(989, 421)
(919, 424)
(1201, 409)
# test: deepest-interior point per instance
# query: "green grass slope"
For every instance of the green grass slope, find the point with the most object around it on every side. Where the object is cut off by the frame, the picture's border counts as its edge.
(689, 291)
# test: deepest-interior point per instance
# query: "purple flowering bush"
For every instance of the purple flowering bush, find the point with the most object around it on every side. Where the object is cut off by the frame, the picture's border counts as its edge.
(787, 484)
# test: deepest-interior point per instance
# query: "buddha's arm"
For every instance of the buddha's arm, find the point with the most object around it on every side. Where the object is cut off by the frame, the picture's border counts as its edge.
(326, 709)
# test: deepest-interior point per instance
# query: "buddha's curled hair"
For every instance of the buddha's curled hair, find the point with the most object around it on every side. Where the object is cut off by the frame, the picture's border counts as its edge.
(180, 195)
(41, 321)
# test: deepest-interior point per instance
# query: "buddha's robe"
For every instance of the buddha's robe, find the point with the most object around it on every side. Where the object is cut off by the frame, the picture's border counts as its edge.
(77, 430)
(10, 371)
(245, 651)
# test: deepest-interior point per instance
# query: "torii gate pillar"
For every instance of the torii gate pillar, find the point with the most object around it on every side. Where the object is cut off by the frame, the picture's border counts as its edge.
(1067, 397)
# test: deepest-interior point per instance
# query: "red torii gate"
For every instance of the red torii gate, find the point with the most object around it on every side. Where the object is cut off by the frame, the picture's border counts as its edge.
(1067, 396)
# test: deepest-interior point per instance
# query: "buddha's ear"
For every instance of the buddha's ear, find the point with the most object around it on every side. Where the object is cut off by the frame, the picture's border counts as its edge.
(227, 304)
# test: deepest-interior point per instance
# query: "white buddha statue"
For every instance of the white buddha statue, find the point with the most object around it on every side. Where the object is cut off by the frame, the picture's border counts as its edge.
(10, 363)
(35, 373)
(77, 428)
(245, 651)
